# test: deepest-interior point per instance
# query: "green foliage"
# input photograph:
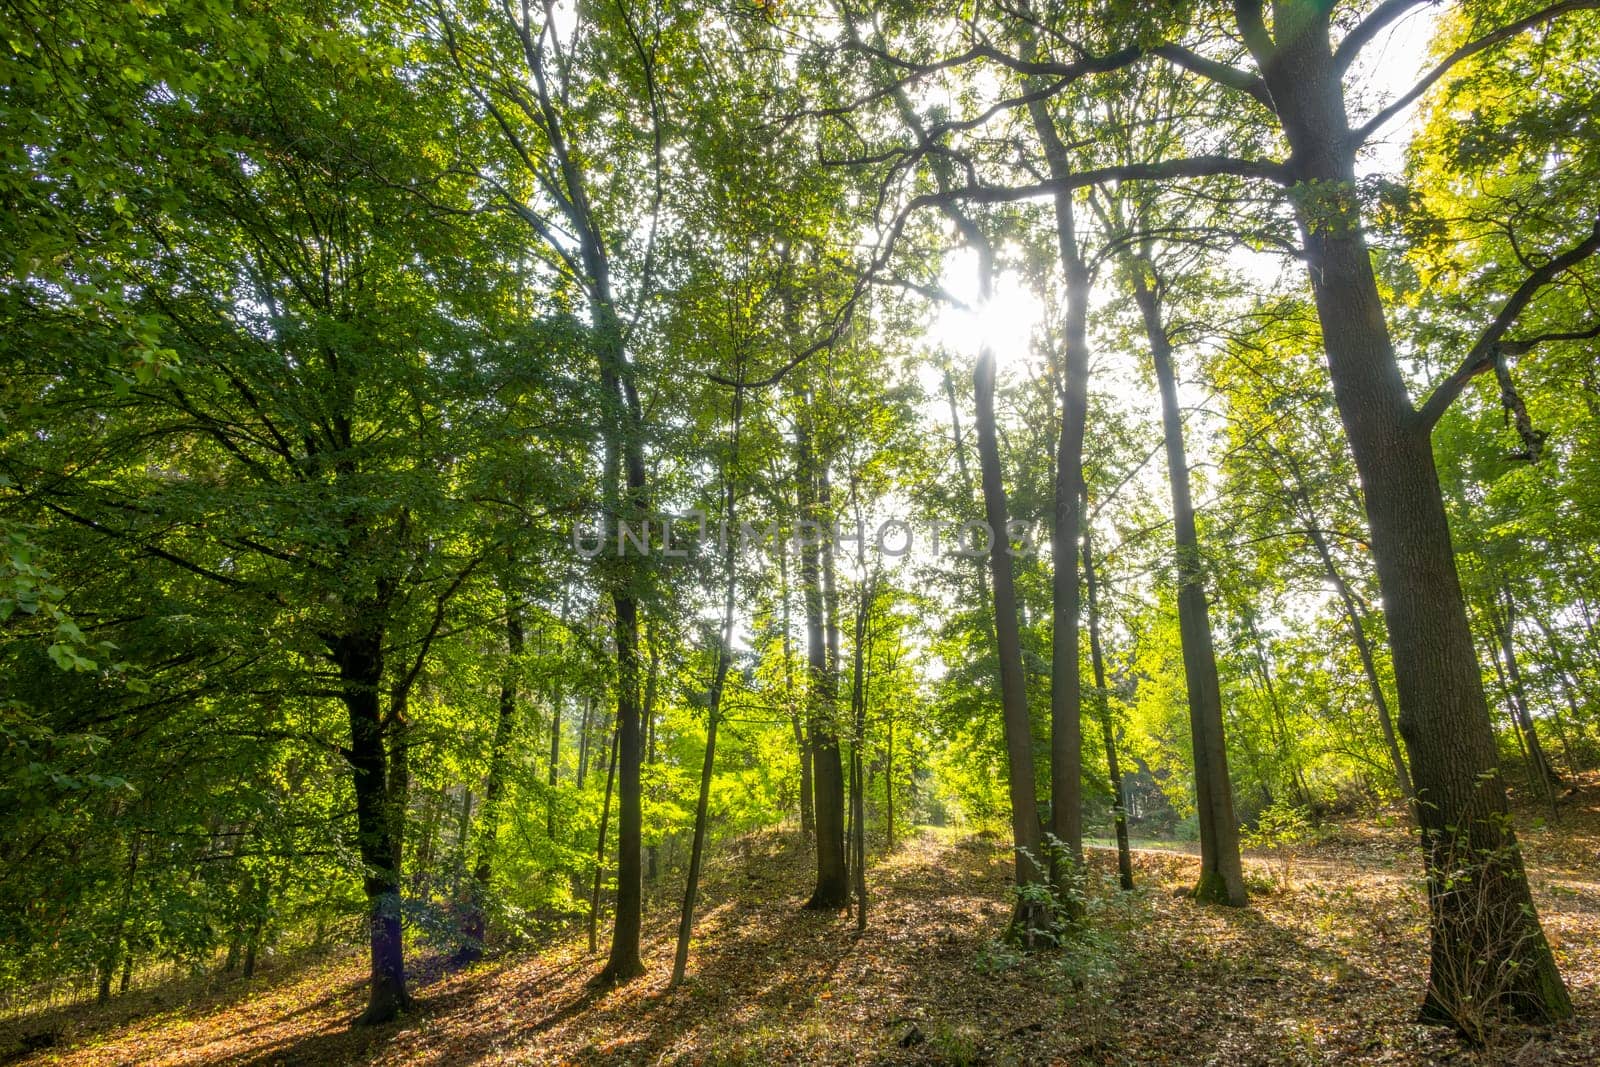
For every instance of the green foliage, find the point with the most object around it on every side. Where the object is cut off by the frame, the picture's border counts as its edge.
(1281, 830)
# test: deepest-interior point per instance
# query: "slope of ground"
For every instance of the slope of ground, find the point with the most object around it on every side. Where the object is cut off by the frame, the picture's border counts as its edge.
(1324, 969)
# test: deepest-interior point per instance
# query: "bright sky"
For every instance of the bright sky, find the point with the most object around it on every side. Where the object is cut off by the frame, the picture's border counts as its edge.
(1388, 66)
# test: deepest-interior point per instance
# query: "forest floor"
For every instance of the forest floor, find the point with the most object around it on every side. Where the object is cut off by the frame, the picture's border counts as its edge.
(1325, 966)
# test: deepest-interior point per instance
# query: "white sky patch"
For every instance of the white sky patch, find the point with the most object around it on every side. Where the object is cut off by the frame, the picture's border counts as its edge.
(1005, 322)
(1391, 63)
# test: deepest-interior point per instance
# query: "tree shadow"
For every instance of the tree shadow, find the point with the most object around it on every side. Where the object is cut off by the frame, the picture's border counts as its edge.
(761, 964)
(75, 1022)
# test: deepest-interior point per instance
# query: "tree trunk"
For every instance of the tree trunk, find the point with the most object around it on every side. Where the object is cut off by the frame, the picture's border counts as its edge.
(1103, 709)
(473, 924)
(427, 848)
(808, 826)
(719, 677)
(1544, 776)
(397, 787)
(257, 924)
(832, 889)
(1026, 832)
(553, 778)
(583, 741)
(359, 658)
(114, 943)
(1221, 873)
(888, 779)
(651, 681)
(1066, 684)
(1281, 735)
(600, 848)
(1568, 681)
(858, 708)
(680, 958)
(459, 860)
(1487, 945)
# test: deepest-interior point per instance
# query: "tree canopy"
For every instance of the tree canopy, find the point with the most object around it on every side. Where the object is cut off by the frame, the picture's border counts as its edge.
(462, 464)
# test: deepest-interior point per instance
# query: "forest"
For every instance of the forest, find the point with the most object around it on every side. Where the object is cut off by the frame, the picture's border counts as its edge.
(799, 531)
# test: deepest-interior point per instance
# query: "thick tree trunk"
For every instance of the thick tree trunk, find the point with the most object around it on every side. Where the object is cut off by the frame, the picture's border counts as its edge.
(832, 889)
(359, 658)
(1066, 685)
(624, 963)
(1026, 832)
(473, 923)
(1488, 948)
(1221, 873)
(1103, 712)
(808, 826)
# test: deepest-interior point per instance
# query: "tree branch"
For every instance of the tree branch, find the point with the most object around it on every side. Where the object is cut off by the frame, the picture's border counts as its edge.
(1359, 136)
(1376, 21)
(1186, 167)
(1221, 73)
(1490, 346)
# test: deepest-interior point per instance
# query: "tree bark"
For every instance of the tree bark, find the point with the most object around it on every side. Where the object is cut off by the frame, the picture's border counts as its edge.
(115, 943)
(359, 658)
(888, 778)
(1066, 683)
(600, 847)
(719, 678)
(473, 925)
(651, 682)
(858, 733)
(1026, 832)
(808, 826)
(832, 890)
(258, 923)
(1103, 709)
(1221, 873)
(583, 741)
(553, 777)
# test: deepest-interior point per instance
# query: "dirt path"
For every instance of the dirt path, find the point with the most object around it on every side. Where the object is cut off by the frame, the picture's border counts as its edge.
(1325, 972)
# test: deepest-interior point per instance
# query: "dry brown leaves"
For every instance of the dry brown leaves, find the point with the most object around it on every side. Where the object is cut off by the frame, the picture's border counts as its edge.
(1325, 970)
